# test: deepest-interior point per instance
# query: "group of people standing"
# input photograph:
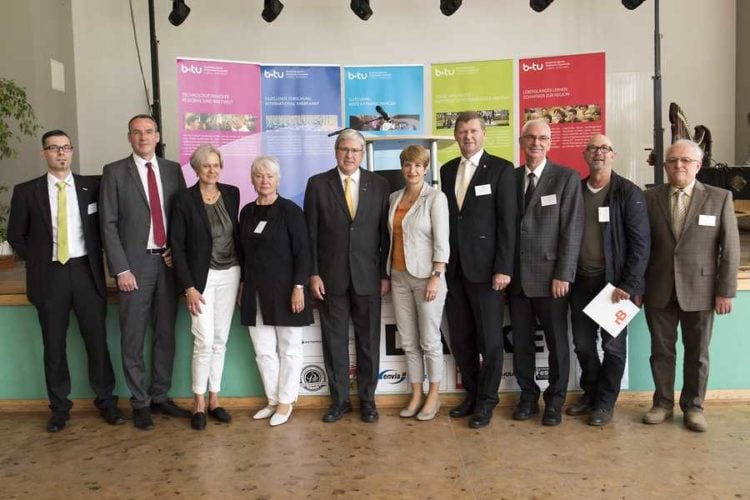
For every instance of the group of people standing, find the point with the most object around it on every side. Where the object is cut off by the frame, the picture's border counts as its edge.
(537, 238)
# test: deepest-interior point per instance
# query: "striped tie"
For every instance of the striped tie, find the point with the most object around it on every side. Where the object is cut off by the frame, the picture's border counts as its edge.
(679, 209)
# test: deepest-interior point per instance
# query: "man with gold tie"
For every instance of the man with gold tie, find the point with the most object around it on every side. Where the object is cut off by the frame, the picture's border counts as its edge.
(347, 215)
(54, 227)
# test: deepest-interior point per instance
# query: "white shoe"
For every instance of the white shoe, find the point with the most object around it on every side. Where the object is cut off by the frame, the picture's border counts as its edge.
(278, 418)
(265, 412)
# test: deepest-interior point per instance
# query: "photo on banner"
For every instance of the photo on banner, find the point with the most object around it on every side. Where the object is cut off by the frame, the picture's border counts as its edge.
(218, 103)
(569, 93)
(385, 101)
(482, 86)
(301, 106)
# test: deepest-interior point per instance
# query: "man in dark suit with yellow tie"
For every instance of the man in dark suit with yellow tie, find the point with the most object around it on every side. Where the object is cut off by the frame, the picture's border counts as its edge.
(54, 227)
(482, 211)
(692, 274)
(347, 218)
(550, 227)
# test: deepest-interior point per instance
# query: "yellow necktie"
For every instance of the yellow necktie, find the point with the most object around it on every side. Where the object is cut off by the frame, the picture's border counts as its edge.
(348, 196)
(62, 224)
(462, 183)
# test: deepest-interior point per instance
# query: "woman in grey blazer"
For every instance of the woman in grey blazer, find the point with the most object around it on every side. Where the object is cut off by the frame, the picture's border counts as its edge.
(419, 251)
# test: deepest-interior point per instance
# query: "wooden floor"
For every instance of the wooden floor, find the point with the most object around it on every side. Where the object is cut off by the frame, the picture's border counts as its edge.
(394, 458)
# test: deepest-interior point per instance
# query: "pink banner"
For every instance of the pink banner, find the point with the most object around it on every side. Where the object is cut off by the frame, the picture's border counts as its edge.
(569, 93)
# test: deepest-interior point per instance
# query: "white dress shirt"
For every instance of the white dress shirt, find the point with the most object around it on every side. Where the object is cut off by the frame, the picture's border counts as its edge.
(140, 163)
(353, 186)
(76, 243)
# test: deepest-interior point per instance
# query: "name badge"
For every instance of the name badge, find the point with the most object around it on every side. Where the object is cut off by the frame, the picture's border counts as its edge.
(707, 220)
(603, 214)
(482, 190)
(260, 227)
(93, 208)
(550, 199)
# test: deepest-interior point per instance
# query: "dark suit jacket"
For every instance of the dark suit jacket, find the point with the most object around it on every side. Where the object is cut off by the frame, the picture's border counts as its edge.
(703, 263)
(125, 214)
(30, 232)
(549, 236)
(275, 260)
(483, 232)
(344, 250)
(190, 234)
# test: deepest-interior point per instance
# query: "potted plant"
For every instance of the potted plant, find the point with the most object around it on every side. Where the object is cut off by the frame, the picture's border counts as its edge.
(17, 118)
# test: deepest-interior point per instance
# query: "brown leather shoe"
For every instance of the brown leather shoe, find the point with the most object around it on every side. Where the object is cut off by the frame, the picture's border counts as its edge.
(657, 415)
(695, 421)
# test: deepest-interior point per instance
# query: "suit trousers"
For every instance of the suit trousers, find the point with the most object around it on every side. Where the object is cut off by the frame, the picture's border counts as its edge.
(364, 311)
(552, 315)
(600, 380)
(72, 286)
(697, 327)
(418, 325)
(475, 320)
(278, 353)
(211, 328)
(155, 301)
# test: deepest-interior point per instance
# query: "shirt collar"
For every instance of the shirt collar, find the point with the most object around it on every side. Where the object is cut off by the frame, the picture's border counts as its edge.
(474, 159)
(688, 190)
(52, 180)
(538, 170)
(354, 177)
(141, 162)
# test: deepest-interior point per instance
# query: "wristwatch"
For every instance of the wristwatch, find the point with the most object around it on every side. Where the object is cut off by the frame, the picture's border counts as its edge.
(436, 274)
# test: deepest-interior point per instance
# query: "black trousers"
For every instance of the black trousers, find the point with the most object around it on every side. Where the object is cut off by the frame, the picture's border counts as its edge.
(600, 380)
(71, 286)
(475, 319)
(364, 311)
(552, 315)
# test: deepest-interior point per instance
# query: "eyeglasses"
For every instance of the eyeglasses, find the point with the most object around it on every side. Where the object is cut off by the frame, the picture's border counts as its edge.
(532, 138)
(603, 148)
(347, 151)
(682, 159)
(57, 149)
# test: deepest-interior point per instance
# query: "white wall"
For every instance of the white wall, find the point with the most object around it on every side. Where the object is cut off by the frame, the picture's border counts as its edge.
(698, 55)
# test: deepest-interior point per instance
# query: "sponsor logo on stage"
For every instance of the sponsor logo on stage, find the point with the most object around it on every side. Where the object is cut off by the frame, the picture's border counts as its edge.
(196, 70)
(532, 67)
(273, 74)
(358, 75)
(313, 378)
(392, 376)
(445, 72)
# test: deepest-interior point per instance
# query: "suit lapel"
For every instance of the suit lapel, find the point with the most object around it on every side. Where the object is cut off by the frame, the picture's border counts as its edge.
(364, 184)
(470, 196)
(547, 178)
(133, 173)
(84, 195)
(195, 193)
(699, 197)
(41, 194)
(334, 183)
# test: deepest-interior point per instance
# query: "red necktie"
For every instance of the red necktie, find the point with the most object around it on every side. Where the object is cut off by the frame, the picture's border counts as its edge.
(154, 202)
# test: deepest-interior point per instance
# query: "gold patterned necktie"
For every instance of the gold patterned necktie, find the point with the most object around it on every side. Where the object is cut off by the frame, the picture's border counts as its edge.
(348, 195)
(463, 182)
(62, 223)
(679, 209)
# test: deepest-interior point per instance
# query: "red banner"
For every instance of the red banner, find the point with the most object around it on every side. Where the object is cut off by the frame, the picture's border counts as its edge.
(569, 93)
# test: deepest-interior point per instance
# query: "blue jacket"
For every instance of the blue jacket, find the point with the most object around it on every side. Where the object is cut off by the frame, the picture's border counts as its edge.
(627, 235)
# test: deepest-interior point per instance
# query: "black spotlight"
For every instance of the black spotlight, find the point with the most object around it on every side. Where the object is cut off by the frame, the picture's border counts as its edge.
(449, 7)
(362, 9)
(271, 10)
(179, 13)
(632, 4)
(540, 5)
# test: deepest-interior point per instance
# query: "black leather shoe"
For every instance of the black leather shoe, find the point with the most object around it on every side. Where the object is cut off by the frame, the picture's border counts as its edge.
(169, 407)
(57, 421)
(525, 410)
(552, 416)
(142, 419)
(465, 409)
(335, 412)
(583, 406)
(481, 417)
(198, 421)
(220, 414)
(600, 416)
(368, 413)
(112, 415)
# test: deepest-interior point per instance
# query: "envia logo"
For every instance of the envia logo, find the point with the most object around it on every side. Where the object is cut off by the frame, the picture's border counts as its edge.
(392, 376)
(356, 76)
(532, 67)
(445, 72)
(273, 74)
(196, 70)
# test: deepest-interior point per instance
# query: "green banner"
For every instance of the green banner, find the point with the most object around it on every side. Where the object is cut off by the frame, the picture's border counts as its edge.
(482, 86)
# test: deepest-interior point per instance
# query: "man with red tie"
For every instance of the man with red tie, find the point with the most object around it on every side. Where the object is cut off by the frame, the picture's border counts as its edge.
(135, 199)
